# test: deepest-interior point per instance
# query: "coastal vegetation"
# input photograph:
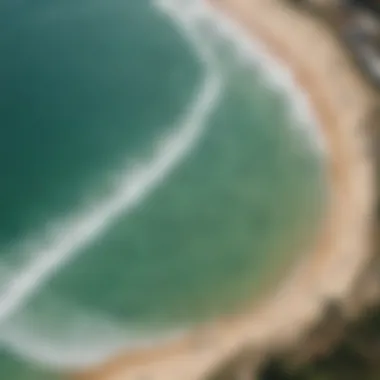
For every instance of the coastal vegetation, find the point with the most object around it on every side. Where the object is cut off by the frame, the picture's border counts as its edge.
(355, 356)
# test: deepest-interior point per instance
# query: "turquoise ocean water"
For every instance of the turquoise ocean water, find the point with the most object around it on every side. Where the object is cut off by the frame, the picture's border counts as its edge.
(153, 177)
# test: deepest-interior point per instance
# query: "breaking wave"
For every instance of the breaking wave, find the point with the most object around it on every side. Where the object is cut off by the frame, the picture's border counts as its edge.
(204, 28)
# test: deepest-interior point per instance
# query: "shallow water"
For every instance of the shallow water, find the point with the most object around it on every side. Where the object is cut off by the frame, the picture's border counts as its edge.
(151, 178)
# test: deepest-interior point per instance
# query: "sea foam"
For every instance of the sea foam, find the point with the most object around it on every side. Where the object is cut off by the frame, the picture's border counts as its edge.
(69, 237)
(203, 27)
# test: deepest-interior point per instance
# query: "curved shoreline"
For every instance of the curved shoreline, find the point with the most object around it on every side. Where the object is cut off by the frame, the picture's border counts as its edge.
(344, 245)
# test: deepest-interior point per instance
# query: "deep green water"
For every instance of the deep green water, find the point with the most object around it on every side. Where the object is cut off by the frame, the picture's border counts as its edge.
(94, 94)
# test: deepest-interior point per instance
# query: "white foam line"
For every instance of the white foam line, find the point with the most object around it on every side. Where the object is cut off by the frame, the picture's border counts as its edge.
(88, 340)
(134, 187)
(253, 51)
(277, 74)
(139, 183)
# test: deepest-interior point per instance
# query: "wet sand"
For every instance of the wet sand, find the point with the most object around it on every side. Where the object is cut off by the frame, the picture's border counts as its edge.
(341, 101)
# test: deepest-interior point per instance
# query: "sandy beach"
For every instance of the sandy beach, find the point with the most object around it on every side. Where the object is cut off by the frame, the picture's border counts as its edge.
(341, 102)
